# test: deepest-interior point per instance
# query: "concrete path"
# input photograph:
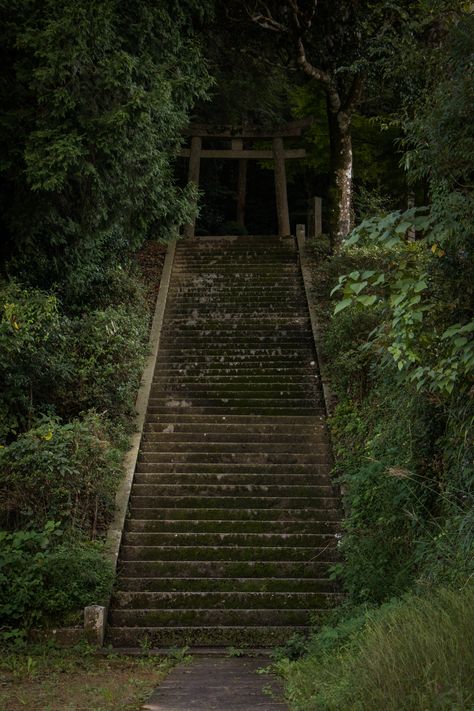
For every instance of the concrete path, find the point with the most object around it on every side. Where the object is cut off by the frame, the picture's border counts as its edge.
(218, 684)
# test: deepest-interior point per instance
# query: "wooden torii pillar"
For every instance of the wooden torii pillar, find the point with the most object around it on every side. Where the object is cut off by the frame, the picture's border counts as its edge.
(237, 135)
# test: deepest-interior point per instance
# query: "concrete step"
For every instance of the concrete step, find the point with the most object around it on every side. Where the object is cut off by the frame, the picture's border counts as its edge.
(229, 553)
(205, 617)
(145, 540)
(234, 411)
(234, 600)
(261, 446)
(290, 421)
(228, 440)
(230, 526)
(326, 511)
(242, 479)
(204, 467)
(217, 569)
(253, 502)
(235, 432)
(203, 636)
(205, 456)
(227, 585)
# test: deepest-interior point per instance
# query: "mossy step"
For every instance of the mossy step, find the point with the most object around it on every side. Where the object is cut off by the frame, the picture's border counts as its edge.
(144, 540)
(216, 585)
(243, 322)
(324, 512)
(234, 502)
(173, 392)
(229, 553)
(222, 490)
(152, 442)
(240, 343)
(293, 420)
(199, 617)
(235, 432)
(235, 468)
(227, 312)
(237, 371)
(234, 600)
(233, 357)
(214, 569)
(231, 402)
(236, 636)
(230, 526)
(232, 457)
(229, 411)
(232, 478)
(203, 330)
(263, 441)
(249, 365)
(253, 384)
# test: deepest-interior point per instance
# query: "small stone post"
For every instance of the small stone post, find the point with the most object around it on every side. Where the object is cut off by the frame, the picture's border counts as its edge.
(94, 624)
(300, 233)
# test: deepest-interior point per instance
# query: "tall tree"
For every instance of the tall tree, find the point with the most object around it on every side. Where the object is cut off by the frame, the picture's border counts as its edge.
(95, 95)
(339, 46)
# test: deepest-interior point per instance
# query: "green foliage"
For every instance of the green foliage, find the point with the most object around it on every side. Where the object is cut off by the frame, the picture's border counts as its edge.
(65, 472)
(410, 654)
(95, 97)
(66, 364)
(34, 566)
(419, 332)
(383, 463)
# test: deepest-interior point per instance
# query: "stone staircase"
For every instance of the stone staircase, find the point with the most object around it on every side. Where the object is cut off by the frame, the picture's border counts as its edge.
(233, 515)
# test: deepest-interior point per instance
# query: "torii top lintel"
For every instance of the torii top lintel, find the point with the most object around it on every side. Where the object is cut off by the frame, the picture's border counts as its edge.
(204, 130)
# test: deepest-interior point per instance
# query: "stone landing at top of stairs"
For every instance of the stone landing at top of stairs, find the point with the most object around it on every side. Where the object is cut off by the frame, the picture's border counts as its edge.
(233, 516)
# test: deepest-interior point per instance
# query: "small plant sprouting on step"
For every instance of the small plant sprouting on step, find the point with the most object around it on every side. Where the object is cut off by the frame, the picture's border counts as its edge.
(237, 651)
(145, 644)
(180, 655)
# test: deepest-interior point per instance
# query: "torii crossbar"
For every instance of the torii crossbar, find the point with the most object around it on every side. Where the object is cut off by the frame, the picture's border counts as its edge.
(237, 135)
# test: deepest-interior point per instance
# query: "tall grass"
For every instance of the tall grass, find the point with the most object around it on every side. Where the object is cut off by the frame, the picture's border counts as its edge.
(412, 654)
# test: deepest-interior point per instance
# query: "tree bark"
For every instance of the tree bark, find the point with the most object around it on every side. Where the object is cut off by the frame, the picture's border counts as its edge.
(340, 182)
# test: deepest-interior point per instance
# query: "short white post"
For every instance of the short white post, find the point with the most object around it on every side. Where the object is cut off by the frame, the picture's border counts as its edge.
(300, 233)
(94, 624)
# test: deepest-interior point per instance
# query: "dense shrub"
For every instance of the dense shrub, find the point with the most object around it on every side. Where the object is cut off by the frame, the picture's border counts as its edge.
(384, 464)
(409, 654)
(64, 472)
(65, 364)
(106, 352)
(34, 568)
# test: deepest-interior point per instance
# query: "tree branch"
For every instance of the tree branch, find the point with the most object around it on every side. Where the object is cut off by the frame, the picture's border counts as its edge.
(320, 75)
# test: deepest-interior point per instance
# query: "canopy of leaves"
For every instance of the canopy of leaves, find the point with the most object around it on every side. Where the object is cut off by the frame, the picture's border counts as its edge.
(95, 95)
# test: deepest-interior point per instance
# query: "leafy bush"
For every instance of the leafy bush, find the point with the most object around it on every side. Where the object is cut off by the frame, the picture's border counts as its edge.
(65, 472)
(67, 364)
(106, 352)
(34, 566)
(409, 654)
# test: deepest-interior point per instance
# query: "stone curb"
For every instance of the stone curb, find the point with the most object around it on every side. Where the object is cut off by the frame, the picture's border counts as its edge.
(315, 325)
(114, 535)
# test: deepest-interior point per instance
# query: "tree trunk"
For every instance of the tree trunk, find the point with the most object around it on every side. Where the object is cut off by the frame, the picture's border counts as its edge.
(340, 184)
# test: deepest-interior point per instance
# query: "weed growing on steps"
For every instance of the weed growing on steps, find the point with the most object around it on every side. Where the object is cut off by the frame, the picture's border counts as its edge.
(409, 654)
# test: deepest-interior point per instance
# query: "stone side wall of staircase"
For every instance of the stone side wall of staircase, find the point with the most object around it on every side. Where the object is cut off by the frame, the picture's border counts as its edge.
(233, 515)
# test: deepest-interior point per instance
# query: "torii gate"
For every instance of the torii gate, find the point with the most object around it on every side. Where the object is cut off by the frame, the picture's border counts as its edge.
(237, 135)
